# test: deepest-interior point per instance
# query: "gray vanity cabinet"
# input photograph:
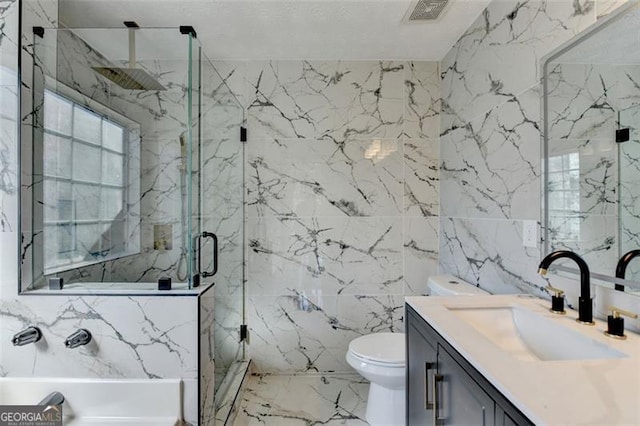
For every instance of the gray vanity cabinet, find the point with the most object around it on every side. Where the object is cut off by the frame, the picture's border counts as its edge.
(460, 401)
(421, 363)
(444, 389)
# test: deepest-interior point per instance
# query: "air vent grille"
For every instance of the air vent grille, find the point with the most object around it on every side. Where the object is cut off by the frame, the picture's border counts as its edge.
(427, 10)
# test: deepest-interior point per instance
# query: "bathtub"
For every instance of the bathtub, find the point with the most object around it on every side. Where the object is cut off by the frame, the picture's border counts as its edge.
(87, 402)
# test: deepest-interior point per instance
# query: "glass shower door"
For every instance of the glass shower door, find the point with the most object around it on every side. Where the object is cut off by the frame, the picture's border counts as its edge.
(219, 158)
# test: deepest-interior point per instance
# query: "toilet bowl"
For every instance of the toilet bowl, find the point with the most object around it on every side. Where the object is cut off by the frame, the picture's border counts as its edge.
(380, 358)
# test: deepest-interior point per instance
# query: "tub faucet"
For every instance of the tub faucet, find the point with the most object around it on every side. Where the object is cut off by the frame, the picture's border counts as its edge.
(621, 268)
(54, 398)
(26, 336)
(585, 304)
(79, 338)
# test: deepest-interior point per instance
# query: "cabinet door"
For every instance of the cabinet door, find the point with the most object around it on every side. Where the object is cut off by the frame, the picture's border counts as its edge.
(421, 364)
(459, 400)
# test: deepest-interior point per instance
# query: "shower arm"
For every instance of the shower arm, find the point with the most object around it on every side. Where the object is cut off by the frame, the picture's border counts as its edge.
(132, 47)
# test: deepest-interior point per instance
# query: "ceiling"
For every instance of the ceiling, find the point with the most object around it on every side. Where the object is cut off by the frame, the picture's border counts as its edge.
(286, 29)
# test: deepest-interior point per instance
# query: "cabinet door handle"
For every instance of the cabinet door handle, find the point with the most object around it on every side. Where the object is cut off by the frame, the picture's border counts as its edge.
(427, 366)
(436, 409)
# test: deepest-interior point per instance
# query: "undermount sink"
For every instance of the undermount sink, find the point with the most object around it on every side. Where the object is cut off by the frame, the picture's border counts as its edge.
(529, 336)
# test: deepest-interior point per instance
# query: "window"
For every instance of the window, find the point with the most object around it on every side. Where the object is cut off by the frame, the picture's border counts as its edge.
(564, 196)
(84, 185)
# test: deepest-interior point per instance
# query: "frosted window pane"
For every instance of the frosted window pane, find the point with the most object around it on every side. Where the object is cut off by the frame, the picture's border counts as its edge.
(113, 237)
(58, 202)
(111, 203)
(112, 136)
(86, 162)
(86, 126)
(113, 167)
(57, 113)
(87, 202)
(88, 238)
(57, 156)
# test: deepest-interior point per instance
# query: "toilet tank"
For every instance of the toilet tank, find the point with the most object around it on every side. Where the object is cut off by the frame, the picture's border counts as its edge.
(448, 285)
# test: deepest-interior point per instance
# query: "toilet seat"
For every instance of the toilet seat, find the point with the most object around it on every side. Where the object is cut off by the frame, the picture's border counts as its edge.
(385, 349)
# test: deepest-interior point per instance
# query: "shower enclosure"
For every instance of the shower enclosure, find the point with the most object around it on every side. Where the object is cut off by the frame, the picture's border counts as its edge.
(134, 170)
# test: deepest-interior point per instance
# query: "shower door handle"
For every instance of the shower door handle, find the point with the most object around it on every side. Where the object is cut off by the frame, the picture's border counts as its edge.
(214, 238)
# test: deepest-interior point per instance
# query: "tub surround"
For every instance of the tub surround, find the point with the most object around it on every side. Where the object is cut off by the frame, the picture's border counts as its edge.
(547, 392)
(99, 401)
(134, 336)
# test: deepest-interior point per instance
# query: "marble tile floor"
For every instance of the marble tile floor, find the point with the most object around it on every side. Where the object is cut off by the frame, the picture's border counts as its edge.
(306, 399)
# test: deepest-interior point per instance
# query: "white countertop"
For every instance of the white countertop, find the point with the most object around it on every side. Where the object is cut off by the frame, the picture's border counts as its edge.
(597, 392)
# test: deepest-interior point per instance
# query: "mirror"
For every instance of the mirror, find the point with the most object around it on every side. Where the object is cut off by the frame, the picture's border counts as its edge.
(591, 113)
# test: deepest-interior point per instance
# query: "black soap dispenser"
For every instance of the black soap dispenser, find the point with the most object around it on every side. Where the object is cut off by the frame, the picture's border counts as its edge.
(615, 323)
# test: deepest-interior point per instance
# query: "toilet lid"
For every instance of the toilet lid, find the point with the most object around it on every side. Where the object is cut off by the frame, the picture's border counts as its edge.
(387, 348)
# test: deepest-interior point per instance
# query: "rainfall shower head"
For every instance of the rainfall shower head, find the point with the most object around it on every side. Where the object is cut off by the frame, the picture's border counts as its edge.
(130, 78)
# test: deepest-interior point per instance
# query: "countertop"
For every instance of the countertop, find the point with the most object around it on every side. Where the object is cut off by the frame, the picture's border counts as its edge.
(596, 391)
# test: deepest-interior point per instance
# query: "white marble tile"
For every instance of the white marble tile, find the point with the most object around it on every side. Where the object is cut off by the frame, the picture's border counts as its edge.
(579, 104)
(422, 100)
(304, 400)
(206, 373)
(9, 35)
(324, 178)
(296, 333)
(489, 252)
(497, 57)
(234, 75)
(324, 256)
(421, 177)
(583, 176)
(596, 241)
(605, 7)
(159, 346)
(491, 166)
(325, 100)
(421, 247)
(8, 159)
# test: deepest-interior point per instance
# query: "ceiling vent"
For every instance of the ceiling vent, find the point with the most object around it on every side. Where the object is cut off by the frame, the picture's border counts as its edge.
(425, 10)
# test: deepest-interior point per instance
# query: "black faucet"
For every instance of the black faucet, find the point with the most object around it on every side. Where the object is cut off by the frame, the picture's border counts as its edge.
(79, 338)
(621, 267)
(28, 335)
(585, 304)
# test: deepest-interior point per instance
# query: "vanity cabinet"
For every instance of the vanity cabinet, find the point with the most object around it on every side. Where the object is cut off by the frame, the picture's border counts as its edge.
(444, 389)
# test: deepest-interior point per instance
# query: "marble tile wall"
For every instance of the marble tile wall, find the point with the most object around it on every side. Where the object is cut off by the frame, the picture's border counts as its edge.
(490, 139)
(342, 204)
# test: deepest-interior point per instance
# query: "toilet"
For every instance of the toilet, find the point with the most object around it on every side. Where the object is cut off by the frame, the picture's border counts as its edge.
(380, 358)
